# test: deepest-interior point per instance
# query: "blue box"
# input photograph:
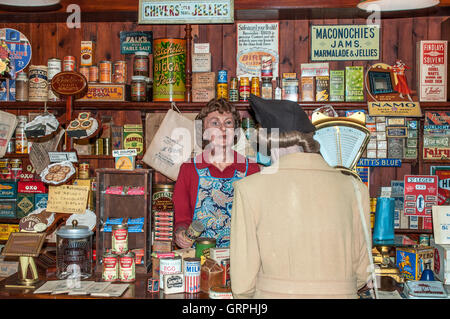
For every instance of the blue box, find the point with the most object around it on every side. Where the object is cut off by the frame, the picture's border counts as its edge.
(8, 208)
(40, 201)
(7, 90)
(3, 90)
(8, 189)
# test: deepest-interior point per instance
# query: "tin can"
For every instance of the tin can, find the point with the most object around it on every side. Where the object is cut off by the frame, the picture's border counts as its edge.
(85, 71)
(15, 165)
(222, 76)
(120, 72)
(222, 91)
(110, 267)
(106, 146)
(69, 63)
(424, 240)
(105, 70)
(169, 57)
(266, 66)
(191, 271)
(194, 230)
(5, 171)
(170, 265)
(54, 67)
(93, 74)
(234, 90)
(37, 83)
(255, 86)
(127, 267)
(99, 146)
(83, 170)
(11, 147)
(119, 243)
(225, 264)
(22, 87)
(162, 195)
(244, 89)
(203, 245)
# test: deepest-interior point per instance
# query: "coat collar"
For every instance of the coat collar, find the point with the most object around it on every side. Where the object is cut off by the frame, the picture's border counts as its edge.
(303, 161)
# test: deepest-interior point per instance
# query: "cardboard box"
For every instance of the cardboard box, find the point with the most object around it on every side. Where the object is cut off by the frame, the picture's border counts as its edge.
(314, 69)
(354, 83)
(7, 208)
(105, 92)
(337, 85)
(40, 201)
(411, 261)
(322, 88)
(201, 47)
(289, 90)
(133, 137)
(203, 80)
(201, 62)
(203, 95)
(307, 89)
(24, 204)
(441, 263)
(116, 137)
(432, 60)
(8, 189)
(219, 254)
(173, 283)
(395, 147)
(31, 187)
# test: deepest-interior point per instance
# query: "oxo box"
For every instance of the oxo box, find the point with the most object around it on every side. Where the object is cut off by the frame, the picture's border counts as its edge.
(8, 189)
(31, 187)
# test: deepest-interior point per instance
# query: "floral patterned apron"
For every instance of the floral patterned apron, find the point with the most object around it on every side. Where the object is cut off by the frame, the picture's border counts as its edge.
(214, 202)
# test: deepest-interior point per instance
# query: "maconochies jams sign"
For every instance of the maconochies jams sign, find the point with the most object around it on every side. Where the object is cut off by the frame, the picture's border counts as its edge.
(345, 42)
(186, 11)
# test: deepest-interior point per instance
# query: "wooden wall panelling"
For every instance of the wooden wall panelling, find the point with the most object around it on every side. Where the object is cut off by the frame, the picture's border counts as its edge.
(229, 49)
(301, 43)
(406, 48)
(69, 41)
(286, 48)
(420, 32)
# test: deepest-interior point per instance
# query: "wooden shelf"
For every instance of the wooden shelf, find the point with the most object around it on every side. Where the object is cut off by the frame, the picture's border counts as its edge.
(413, 231)
(9, 220)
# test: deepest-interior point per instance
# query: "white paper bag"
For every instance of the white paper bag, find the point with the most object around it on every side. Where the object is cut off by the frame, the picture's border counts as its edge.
(441, 224)
(172, 144)
(8, 123)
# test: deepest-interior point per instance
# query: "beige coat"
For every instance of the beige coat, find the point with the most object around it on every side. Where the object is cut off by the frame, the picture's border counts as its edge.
(297, 233)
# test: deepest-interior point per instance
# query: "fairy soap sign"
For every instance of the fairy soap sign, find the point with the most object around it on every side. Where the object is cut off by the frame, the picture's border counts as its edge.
(345, 42)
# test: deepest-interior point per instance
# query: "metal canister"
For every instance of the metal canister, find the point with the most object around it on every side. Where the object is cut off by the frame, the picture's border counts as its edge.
(244, 89)
(15, 165)
(11, 147)
(225, 264)
(119, 242)
(169, 265)
(69, 63)
(234, 90)
(162, 195)
(99, 146)
(222, 85)
(105, 70)
(93, 74)
(22, 87)
(266, 66)
(255, 86)
(169, 77)
(120, 72)
(83, 170)
(424, 240)
(191, 271)
(110, 267)
(54, 67)
(203, 245)
(85, 71)
(127, 267)
(106, 146)
(5, 171)
(37, 83)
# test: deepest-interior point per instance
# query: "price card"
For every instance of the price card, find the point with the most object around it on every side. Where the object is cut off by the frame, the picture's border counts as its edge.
(56, 157)
(70, 199)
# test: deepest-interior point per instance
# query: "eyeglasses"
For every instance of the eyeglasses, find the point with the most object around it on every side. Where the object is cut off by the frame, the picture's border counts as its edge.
(217, 124)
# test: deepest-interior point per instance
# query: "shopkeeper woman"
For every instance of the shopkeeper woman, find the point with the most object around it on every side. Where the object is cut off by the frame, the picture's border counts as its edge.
(204, 187)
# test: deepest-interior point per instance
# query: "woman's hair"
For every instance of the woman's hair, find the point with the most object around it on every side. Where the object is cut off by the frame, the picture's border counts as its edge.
(288, 139)
(222, 106)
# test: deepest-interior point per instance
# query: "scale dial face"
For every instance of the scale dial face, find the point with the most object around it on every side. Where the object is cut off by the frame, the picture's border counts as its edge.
(341, 145)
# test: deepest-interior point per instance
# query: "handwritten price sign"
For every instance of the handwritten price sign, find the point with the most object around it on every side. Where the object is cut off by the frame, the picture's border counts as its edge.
(70, 199)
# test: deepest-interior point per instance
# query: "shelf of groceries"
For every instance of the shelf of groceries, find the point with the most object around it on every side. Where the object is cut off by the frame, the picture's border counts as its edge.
(184, 106)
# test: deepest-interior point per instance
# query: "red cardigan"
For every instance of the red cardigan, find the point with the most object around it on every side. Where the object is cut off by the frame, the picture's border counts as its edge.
(185, 191)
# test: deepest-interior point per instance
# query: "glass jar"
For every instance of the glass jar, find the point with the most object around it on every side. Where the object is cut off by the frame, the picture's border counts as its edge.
(149, 88)
(244, 89)
(21, 138)
(141, 64)
(74, 252)
(266, 89)
(22, 87)
(138, 89)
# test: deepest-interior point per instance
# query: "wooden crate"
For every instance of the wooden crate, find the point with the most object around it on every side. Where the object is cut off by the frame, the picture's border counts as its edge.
(126, 206)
